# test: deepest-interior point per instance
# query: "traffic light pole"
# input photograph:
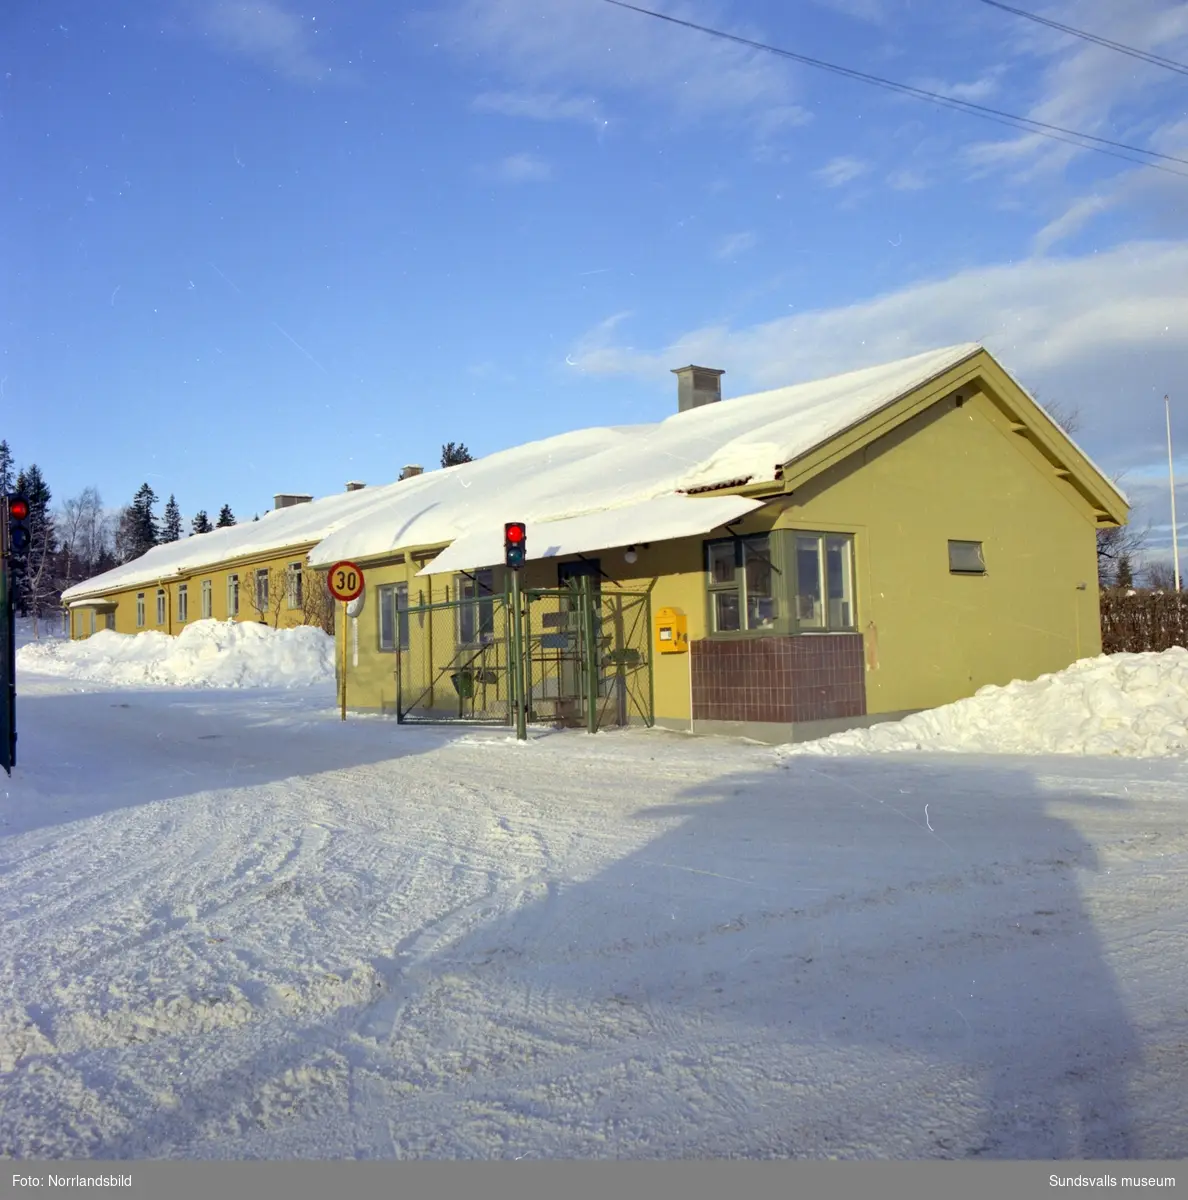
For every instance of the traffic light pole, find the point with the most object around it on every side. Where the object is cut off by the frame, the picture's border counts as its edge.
(7, 668)
(518, 658)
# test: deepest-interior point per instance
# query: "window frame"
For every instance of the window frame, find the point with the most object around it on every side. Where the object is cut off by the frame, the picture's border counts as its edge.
(233, 595)
(140, 610)
(295, 585)
(782, 554)
(207, 600)
(392, 601)
(261, 579)
(183, 603)
(162, 606)
(480, 603)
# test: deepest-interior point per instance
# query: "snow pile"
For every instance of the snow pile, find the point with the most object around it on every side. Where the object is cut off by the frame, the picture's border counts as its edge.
(204, 654)
(1123, 704)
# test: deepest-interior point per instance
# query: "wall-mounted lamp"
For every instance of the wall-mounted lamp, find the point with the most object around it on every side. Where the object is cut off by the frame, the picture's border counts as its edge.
(630, 555)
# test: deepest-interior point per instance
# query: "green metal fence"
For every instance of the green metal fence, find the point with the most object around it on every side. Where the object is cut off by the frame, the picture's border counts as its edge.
(586, 658)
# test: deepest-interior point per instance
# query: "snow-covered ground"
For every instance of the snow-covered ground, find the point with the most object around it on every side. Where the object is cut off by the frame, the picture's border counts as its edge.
(235, 926)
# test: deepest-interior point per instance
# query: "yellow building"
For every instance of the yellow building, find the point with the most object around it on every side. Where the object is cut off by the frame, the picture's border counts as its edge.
(255, 571)
(834, 553)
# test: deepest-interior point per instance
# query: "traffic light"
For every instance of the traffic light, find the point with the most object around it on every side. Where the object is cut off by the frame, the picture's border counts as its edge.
(515, 544)
(18, 523)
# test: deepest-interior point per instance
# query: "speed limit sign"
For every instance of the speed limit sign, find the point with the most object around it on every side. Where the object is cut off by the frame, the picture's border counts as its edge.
(345, 581)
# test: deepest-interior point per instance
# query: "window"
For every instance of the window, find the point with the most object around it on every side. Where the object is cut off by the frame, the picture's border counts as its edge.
(92, 620)
(476, 613)
(965, 558)
(824, 592)
(783, 582)
(139, 610)
(742, 585)
(262, 589)
(207, 601)
(109, 621)
(160, 606)
(232, 596)
(183, 603)
(295, 586)
(392, 604)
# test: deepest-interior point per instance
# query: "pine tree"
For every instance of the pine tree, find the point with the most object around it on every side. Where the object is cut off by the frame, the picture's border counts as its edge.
(6, 460)
(142, 533)
(452, 455)
(226, 517)
(201, 522)
(1124, 577)
(171, 524)
(34, 567)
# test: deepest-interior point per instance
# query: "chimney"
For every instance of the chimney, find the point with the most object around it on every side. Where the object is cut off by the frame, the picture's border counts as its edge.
(409, 472)
(288, 499)
(355, 486)
(697, 386)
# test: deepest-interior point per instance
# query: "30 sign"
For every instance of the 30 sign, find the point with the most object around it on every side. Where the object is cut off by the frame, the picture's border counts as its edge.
(345, 581)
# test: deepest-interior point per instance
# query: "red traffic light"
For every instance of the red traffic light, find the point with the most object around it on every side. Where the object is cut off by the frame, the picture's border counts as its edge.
(514, 532)
(18, 508)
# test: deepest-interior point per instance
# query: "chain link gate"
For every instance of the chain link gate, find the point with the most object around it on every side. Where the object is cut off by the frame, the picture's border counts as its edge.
(587, 659)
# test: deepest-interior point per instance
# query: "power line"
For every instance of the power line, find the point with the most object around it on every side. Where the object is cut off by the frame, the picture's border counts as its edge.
(1072, 137)
(1144, 55)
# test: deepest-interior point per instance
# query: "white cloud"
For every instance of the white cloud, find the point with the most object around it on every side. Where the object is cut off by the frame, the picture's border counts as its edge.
(266, 31)
(974, 91)
(735, 244)
(523, 168)
(841, 170)
(907, 180)
(1106, 332)
(542, 106)
(1071, 221)
(548, 47)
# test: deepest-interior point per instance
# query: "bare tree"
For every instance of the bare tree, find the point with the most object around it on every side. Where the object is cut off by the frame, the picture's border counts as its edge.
(317, 605)
(85, 536)
(1160, 577)
(265, 591)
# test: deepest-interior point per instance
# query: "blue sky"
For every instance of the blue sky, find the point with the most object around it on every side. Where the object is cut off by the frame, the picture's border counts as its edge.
(273, 246)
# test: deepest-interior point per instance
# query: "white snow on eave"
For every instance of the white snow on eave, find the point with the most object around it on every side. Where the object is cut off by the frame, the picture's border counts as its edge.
(606, 469)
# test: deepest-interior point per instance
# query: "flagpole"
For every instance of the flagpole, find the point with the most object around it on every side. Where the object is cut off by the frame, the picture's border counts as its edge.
(1171, 475)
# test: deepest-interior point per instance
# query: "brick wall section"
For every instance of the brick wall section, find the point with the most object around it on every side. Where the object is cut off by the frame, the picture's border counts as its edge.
(781, 679)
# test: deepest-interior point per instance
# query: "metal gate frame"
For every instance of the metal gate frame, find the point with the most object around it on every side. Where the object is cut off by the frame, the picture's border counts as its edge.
(586, 654)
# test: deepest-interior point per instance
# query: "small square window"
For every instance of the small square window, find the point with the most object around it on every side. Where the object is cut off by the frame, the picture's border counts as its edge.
(965, 558)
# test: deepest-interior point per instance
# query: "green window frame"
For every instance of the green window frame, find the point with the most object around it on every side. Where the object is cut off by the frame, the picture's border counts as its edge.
(476, 610)
(392, 615)
(788, 581)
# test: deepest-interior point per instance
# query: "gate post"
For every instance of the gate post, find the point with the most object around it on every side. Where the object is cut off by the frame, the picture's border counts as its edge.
(518, 656)
(589, 638)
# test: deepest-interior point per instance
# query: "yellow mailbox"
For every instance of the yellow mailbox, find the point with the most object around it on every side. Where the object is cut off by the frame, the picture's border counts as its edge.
(672, 634)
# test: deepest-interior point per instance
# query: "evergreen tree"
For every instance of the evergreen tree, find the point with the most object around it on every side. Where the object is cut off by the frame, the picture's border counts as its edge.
(142, 533)
(34, 567)
(6, 479)
(226, 517)
(1124, 577)
(452, 455)
(201, 523)
(171, 524)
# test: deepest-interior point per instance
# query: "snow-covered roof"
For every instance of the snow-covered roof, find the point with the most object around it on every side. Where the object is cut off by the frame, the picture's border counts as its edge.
(618, 470)
(649, 521)
(299, 524)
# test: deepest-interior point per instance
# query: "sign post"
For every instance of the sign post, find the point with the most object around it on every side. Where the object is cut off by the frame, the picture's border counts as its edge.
(345, 582)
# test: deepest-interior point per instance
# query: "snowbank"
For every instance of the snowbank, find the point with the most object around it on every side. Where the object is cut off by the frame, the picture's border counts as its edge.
(205, 654)
(1124, 704)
